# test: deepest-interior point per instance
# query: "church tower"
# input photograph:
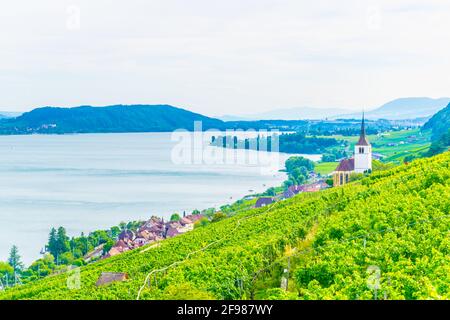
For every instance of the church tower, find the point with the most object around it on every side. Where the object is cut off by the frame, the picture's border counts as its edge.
(363, 152)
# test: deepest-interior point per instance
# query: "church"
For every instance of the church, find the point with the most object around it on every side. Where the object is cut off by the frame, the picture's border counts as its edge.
(360, 163)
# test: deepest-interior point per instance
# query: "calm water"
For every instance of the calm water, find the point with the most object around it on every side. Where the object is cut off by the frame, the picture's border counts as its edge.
(94, 181)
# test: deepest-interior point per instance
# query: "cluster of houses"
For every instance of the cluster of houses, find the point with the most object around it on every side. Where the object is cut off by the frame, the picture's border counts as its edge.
(151, 231)
(292, 191)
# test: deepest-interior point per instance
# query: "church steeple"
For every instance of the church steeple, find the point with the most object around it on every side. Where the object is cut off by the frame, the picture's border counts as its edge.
(362, 137)
(361, 161)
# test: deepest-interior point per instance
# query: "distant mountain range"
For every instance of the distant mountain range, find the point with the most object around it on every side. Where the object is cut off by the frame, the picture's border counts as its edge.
(399, 109)
(166, 118)
(405, 108)
(118, 118)
(7, 114)
(289, 114)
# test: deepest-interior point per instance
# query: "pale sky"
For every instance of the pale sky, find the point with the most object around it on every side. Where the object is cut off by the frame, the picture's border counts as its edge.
(222, 57)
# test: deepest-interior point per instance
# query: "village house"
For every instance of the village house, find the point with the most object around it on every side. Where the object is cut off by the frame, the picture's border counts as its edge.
(311, 187)
(315, 187)
(195, 217)
(120, 247)
(186, 225)
(264, 201)
(151, 231)
(96, 253)
(288, 194)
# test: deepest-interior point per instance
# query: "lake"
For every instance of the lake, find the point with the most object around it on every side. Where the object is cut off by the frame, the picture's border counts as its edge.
(95, 181)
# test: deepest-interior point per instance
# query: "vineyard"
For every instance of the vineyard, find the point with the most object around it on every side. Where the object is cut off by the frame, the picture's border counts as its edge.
(383, 237)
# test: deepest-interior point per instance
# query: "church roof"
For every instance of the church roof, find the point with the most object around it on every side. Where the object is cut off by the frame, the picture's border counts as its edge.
(362, 137)
(346, 165)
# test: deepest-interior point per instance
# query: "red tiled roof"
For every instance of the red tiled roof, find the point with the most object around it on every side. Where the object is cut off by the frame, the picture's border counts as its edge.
(317, 186)
(171, 232)
(346, 165)
(194, 217)
(121, 244)
(185, 220)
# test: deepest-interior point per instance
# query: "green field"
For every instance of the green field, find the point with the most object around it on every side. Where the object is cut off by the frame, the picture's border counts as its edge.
(395, 221)
(325, 168)
(395, 145)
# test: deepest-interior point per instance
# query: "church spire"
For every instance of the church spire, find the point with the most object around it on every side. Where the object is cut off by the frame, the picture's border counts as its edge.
(362, 137)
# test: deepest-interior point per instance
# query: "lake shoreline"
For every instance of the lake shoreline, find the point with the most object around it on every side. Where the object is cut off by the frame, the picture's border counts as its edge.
(93, 182)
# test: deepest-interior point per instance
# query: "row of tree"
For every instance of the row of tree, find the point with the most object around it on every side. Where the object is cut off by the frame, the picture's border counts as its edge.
(288, 143)
(61, 251)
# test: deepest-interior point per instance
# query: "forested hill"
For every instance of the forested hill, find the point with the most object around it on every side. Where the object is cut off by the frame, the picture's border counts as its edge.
(118, 118)
(439, 123)
(389, 231)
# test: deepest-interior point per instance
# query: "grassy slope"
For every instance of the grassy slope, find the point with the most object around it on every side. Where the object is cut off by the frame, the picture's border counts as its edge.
(325, 168)
(398, 152)
(249, 253)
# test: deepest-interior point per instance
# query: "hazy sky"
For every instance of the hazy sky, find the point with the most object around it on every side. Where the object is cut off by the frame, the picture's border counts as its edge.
(222, 57)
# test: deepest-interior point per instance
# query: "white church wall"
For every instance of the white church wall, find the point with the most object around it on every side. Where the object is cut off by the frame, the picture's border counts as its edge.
(363, 161)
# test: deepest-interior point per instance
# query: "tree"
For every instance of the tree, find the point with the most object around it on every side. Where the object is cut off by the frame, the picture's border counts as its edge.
(329, 182)
(42, 267)
(287, 184)
(62, 240)
(115, 231)
(218, 216)
(52, 245)
(14, 259)
(175, 217)
(202, 222)
(99, 237)
(122, 225)
(270, 192)
(328, 157)
(296, 162)
(66, 258)
(300, 174)
(440, 145)
(58, 242)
